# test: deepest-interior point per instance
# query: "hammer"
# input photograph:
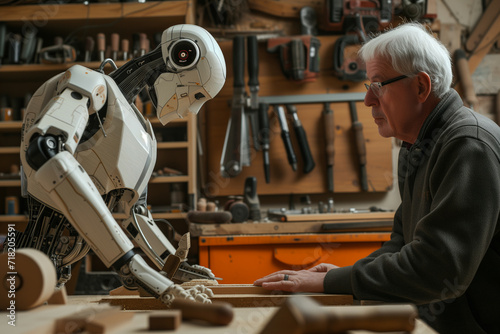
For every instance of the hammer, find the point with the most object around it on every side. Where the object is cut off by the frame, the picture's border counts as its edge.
(302, 315)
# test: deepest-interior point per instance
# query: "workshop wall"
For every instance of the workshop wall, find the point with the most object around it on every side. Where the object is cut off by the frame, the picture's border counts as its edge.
(454, 22)
(283, 179)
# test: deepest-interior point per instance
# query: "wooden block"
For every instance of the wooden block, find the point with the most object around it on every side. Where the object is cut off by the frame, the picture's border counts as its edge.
(165, 320)
(172, 263)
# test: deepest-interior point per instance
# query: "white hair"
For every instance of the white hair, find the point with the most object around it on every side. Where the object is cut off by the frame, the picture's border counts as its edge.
(411, 49)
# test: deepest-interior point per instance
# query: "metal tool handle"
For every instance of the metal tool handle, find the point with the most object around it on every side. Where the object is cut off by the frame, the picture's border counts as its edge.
(3, 36)
(298, 59)
(239, 62)
(264, 138)
(253, 61)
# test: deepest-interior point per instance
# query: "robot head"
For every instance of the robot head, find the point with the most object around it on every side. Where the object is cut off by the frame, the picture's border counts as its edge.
(196, 72)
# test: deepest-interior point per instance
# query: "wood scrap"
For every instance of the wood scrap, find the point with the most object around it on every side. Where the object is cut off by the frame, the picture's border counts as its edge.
(165, 320)
(97, 319)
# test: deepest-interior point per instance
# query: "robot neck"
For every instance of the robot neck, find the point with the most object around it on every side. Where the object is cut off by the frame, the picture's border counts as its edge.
(132, 77)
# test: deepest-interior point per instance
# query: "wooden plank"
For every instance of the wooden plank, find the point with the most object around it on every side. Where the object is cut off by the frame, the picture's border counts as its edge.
(36, 13)
(283, 179)
(294, 239)
(484, 46)
(254, 228)
(340, 216)
(198, 230)
(236, 300)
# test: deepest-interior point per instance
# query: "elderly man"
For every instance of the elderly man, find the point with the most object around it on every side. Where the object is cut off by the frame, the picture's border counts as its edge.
(444, 252)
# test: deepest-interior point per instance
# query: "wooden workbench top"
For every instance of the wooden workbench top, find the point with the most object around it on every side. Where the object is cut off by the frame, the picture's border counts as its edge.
(41, 320)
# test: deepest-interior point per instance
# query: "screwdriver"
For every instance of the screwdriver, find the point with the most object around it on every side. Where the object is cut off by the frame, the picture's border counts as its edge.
(115, 46)
(264, 138)
(285, 135)
(300, 133)
(89, 48)
(330, 143)
(101, 46)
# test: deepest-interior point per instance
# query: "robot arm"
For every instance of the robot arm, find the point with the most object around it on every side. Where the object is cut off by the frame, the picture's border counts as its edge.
(59, 181)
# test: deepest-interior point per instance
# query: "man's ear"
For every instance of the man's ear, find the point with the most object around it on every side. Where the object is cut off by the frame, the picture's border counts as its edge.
(424, 86)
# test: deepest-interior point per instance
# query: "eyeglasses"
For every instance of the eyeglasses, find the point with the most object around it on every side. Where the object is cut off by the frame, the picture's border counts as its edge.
(376, 87)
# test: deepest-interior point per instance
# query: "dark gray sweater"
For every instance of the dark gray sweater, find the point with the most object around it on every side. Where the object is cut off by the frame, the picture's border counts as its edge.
(444, 252)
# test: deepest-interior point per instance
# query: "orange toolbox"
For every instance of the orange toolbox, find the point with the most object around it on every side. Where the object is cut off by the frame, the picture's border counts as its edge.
(241, 259)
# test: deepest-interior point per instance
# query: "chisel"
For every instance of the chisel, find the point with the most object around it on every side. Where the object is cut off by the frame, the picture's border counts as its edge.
(264, 138)
(115, 46)
(360, 145)
(300, 133)
(125, 49)
(101, 46)
(89, 48)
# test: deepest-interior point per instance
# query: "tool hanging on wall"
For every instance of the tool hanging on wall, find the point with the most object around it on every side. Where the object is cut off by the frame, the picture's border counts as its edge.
(350, 68)
(360, 145)
(299, 56)
(251, 198)
(57, 54)
(326, 99)
(329, 123)
(285, 135)
(253, 85)
(351, 15)
(244, 110)
(300, 134)
(264, 138)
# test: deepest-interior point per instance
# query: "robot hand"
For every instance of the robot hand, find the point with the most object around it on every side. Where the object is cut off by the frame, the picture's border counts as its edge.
(197, 293)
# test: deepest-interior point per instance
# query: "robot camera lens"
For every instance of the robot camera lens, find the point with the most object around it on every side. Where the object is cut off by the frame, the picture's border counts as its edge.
(184, 53)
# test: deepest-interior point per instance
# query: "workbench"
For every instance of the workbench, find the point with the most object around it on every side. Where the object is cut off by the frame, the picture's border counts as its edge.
(247, 320)
(243, 252)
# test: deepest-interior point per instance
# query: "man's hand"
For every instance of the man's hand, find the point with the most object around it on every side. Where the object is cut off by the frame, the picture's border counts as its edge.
(310, 280)
(323, 267)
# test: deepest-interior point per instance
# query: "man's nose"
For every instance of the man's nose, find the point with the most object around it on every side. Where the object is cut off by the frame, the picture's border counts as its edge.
(370, 99)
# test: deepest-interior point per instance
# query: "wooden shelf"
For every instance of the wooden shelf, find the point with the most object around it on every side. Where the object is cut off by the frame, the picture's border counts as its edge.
(10, 125)
(13, 219)
(150, 17)
(41, 72)
(180, 144)
(170, 179)
(10, 183)
(10, 150)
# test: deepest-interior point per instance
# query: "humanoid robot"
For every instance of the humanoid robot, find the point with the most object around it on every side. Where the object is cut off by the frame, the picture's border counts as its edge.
(85, 148)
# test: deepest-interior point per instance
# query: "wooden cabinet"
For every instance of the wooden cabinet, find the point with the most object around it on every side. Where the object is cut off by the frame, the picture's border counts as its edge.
(176, 141)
